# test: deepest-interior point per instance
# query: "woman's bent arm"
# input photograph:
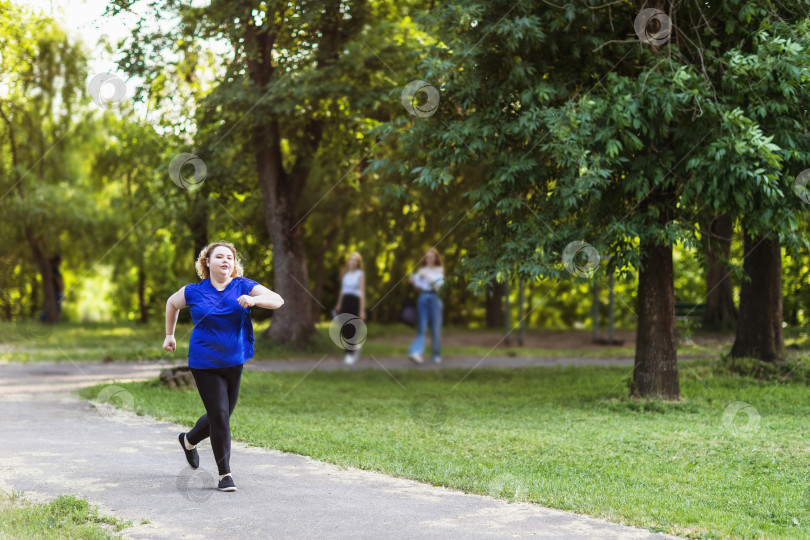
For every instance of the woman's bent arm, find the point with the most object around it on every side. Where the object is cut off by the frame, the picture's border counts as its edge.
(265, 298)
(174, 304)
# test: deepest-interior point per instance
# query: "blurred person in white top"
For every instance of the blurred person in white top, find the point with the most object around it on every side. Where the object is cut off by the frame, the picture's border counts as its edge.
(352, 299)
(428, 280)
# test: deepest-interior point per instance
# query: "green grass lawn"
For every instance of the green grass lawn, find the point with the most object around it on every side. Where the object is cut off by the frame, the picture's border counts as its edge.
(64, 517)
(30, 341)
(565, 437)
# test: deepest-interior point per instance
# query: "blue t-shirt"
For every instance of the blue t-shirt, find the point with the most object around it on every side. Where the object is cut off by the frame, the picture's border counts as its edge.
(223, 330)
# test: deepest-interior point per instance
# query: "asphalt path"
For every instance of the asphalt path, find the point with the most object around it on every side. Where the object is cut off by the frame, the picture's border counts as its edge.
(53, 443)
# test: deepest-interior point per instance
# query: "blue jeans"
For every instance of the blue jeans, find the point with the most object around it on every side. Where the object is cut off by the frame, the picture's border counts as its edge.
(59, 298)
(428, 307)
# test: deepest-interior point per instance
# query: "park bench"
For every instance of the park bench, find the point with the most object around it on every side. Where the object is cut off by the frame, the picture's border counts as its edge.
(687, 311)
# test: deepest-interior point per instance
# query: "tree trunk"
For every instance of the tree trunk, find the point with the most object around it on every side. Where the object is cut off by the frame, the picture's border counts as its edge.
(320, 270)
(6, 299)
(142, 305)
(521, 305)
(656, 367)
(293, 322)
(46, 271)
(33, 306)
(281, 189)
(494, 305)
(655, 372)
(759, 328)
(507, 315)
(720, 312)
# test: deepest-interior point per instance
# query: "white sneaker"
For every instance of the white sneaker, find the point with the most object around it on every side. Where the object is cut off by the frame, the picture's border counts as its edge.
(416, 358)
(437, 359)
(349, 359)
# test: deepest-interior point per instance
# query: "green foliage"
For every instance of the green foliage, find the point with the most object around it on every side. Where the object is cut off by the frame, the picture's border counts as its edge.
(582, 137)
(551, 127)
(45, 196)
(328, 87)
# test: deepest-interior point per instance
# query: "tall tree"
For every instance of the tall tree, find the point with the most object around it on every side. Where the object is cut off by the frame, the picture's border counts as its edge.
(41, 123)
(584, 137)
(776, 60)
(720, 313)
(127, 173)
(759, 332)
(295, 72)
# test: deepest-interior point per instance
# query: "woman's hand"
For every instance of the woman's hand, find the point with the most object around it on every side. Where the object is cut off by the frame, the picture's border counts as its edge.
(169, 344)
(246, 301)
(363, 315)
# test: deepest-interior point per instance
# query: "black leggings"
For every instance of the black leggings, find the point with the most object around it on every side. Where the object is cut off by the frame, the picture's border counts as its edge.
(350, 304)
(219, 390)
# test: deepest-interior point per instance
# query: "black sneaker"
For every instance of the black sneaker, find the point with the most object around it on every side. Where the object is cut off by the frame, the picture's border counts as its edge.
(226, 484)
(192, 456)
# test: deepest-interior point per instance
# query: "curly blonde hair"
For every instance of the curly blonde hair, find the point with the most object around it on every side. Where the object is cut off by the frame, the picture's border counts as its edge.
(202, 268)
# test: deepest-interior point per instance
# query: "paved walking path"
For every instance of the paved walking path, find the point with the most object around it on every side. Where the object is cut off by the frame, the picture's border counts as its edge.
(52, 443)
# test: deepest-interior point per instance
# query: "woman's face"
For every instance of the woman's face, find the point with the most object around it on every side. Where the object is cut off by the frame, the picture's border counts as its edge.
(353, 263)
(430, 258)
(221, 263)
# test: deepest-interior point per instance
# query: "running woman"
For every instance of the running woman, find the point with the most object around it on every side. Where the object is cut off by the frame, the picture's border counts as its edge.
(221, 342)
